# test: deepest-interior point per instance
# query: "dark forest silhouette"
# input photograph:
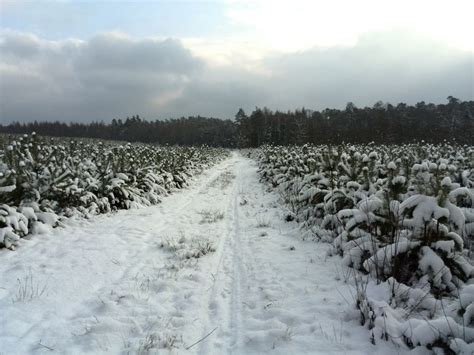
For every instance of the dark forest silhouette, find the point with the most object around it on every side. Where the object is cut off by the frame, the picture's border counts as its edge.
(382, 123)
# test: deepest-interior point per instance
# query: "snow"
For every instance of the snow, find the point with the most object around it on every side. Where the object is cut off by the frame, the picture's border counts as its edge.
(383, 257)
(391, 166)
(431, 264)
(466, 296)
(425, 209)
(164, 279)
(9, 188)
(47, 218)
(29, 213)
(446, 182)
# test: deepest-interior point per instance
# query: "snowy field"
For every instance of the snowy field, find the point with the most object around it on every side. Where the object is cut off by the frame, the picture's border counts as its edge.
(213, 269)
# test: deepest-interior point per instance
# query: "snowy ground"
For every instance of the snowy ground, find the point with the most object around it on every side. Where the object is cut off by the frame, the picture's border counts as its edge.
(214, 269)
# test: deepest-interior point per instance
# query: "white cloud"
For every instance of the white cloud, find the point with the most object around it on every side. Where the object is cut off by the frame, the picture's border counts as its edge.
(302, 24)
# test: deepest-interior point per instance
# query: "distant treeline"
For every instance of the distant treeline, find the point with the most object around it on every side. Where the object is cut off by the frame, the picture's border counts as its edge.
(183, 131)
(382, 123)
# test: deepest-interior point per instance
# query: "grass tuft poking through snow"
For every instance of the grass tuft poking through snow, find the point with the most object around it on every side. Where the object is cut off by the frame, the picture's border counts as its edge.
(211, 216)
(153, 341)
(262, 221)
(188, 248)
(28, 289)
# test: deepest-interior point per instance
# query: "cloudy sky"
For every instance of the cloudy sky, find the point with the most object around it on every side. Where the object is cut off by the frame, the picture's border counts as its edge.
(73, 60)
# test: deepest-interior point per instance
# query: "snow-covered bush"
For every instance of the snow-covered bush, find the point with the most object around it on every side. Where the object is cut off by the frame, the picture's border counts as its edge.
(43, 180)
(401, 215)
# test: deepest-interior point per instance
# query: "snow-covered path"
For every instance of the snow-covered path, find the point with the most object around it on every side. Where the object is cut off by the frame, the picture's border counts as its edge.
(213, 269)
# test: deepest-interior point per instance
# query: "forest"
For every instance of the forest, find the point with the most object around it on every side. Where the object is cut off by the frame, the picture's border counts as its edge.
(381, 123)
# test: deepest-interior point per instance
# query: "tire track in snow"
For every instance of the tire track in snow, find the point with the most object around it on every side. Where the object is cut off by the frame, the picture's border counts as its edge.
(239, 274)
(224, 302)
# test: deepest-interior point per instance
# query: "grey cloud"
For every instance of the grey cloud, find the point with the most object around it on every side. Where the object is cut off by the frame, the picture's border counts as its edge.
(112, 52)
(219, 93)
(394, 66)
(18, 45)
(113, 76)
(108, 76)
